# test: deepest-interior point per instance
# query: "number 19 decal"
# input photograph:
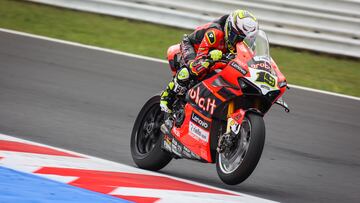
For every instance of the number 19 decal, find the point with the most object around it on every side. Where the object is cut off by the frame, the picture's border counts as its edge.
(265, 77)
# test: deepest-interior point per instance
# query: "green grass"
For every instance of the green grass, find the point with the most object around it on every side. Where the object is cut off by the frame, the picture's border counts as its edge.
(304, 68)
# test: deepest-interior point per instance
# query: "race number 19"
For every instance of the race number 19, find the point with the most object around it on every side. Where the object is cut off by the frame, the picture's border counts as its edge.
(265, 77)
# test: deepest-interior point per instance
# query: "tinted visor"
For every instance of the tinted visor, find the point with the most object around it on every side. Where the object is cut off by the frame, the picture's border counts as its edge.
(234, 36)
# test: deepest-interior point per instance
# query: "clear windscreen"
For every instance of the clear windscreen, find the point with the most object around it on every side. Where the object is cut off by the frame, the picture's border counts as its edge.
(259, 44)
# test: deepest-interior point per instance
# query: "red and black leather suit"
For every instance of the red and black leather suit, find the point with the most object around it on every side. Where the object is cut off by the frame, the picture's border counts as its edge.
(194, 48)
(189, 59)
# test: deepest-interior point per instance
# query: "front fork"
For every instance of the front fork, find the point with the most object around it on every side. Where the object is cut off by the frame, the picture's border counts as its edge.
(234, 120)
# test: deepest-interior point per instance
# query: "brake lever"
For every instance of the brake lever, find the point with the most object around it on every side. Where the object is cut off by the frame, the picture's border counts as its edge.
(229, 56)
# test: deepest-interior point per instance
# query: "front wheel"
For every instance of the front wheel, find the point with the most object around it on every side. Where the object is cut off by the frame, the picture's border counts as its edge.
(236, 166)
(146, 137)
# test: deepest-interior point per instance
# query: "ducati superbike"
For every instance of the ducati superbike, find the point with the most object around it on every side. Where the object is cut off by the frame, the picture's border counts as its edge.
(219, 120)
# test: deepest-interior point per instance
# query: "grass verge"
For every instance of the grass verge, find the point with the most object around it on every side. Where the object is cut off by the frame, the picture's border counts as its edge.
(320, 71)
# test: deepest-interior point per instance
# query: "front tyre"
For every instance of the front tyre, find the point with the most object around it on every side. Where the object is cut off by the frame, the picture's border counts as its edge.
(236, 166)
(146, 137)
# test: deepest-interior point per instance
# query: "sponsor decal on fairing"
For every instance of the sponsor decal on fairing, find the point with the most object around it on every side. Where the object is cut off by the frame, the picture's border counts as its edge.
(176, 148)
(238, 67)
(234, 126)
(167, 143)
(264, 80)
(187, 153)
(206, 104)
(198, 133)
(200, 121)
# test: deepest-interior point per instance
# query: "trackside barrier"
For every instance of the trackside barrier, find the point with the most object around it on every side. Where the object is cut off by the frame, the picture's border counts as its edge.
(330, 26)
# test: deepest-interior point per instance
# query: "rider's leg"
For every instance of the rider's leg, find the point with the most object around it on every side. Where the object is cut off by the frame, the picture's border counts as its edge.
(177, 86)
(178, 56)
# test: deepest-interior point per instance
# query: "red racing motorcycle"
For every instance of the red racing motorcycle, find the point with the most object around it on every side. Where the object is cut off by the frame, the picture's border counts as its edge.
(219, 120)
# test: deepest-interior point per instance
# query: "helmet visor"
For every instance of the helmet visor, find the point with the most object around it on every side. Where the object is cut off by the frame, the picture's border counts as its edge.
(234, 36)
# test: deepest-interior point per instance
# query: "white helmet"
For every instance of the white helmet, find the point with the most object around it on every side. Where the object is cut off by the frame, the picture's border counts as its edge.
(239, 24)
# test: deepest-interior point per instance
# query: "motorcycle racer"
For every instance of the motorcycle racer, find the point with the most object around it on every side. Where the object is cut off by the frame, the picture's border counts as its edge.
(198, 51)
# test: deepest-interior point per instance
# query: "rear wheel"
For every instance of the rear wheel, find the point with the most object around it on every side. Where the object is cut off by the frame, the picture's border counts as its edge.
(146, 137)
(236, 166)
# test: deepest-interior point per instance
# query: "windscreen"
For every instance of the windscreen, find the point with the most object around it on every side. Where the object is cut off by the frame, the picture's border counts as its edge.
(259, 44)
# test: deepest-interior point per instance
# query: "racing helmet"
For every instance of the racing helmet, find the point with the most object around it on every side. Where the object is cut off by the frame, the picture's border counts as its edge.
(238, 25)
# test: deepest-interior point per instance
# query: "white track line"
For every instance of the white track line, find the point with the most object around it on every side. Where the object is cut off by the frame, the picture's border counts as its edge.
(324, 92)
(151, 59)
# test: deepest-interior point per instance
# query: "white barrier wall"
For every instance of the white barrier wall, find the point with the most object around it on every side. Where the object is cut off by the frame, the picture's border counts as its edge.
(330, 26)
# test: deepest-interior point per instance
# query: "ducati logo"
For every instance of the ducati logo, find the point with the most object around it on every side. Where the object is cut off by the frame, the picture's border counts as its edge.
(206, 104)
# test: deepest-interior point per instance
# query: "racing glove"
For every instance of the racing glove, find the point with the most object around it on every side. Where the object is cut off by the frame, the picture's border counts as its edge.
(215, 54)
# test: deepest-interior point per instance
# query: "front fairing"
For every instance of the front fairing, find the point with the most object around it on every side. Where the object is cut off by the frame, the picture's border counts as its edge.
(253, 74)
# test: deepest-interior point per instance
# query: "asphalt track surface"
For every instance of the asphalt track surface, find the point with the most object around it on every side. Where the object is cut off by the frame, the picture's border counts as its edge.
(86, 100)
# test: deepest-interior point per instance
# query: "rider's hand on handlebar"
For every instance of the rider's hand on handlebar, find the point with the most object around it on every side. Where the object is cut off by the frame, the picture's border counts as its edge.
(215, 55)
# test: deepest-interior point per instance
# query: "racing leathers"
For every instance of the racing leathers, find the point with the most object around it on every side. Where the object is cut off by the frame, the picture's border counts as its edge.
(197, 53)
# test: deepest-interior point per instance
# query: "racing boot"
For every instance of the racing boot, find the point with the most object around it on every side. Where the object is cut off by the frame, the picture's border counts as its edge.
(177, 86)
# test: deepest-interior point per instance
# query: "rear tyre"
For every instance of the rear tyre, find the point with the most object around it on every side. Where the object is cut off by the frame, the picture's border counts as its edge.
(235, 167)
(146, 137)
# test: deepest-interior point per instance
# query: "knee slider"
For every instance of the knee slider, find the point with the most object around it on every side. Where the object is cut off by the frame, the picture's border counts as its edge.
(181, 81)
(183, 75)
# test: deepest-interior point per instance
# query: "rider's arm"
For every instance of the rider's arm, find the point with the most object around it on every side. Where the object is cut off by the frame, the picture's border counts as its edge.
(213, 39)
(187, 50)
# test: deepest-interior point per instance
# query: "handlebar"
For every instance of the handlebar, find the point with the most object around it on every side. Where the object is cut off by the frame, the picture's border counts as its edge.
(224, 59)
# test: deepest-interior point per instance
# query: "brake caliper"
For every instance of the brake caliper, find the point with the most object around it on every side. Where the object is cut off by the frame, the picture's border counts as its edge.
(229, 139)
